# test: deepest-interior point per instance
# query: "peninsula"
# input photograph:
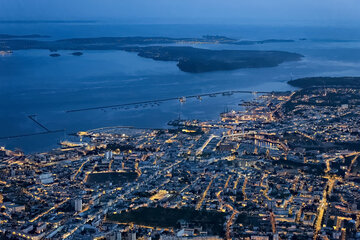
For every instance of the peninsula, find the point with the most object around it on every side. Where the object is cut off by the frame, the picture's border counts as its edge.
(326, 82)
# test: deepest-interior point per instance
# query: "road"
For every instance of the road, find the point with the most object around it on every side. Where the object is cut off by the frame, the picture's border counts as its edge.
(323, 205)
(198, 205)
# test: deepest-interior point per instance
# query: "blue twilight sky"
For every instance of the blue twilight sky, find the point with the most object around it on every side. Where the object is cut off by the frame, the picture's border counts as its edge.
(310, 12)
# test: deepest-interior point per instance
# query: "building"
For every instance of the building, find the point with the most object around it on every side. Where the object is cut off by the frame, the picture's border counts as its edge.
(108, 155)
(78, 204)
(46, 178)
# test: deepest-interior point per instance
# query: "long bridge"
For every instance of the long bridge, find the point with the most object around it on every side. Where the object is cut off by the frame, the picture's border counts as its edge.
(181, 99)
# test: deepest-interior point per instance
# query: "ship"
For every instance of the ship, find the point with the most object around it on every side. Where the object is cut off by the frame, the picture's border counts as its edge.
(182, 99)
(5, 52)
(73, 144)
(227, 93)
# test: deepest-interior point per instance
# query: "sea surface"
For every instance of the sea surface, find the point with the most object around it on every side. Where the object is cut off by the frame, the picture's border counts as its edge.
(32, 83)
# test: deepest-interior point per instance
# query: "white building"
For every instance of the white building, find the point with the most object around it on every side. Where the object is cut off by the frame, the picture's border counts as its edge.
(108, 155)
(78, 204)
(46, 178)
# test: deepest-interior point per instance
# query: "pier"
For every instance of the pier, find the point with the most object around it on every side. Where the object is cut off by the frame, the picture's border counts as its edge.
(38, 123)
(181, 99)
(31, 134)
(32, 117)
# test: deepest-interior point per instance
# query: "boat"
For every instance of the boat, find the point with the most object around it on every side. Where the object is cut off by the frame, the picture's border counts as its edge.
(227, 93)
(182, 99)
(72, 144)
(5, 52)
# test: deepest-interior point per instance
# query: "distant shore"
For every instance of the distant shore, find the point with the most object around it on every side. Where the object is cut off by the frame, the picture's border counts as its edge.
(189, 59)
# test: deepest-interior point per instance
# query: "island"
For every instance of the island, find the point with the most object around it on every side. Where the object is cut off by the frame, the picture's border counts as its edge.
(54, 55)
(189, 59)
(9, 36)
(249, 42)
(77, 53)
(325, 82)
(197, 60)
(110, 43)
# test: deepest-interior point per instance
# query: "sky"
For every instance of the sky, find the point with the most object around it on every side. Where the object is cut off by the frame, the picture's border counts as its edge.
(309, 12)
